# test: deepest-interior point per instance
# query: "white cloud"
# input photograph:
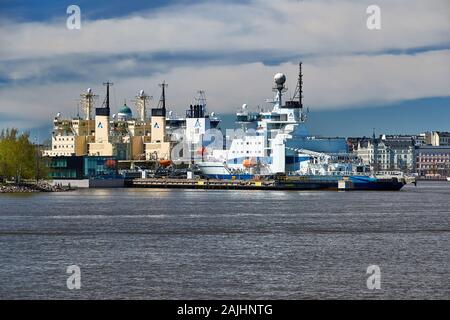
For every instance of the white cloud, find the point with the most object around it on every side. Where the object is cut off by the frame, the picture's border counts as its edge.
(326, 33)
(291, 26)
(328, 83)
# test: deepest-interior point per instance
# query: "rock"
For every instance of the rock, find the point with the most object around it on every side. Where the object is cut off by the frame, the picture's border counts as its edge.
(41, 186)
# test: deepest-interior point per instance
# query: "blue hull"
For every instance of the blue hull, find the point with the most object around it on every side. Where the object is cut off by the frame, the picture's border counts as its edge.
(243, 176)
(324, 182)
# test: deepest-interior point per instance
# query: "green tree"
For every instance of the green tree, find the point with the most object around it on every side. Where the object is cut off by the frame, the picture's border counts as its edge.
(19, 158)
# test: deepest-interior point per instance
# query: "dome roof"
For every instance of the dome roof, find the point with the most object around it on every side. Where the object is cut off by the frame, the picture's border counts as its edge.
(125, 110)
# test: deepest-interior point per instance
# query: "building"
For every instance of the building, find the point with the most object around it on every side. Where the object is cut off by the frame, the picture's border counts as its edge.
(433, 161)
(401, 149)
(354, 142)
(388, 153)
(437, 138)
(74, 168)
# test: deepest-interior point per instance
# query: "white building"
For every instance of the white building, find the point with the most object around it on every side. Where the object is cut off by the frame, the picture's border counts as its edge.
(388, 153)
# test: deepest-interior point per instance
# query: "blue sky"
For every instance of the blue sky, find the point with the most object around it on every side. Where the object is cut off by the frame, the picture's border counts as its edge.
(395, 79)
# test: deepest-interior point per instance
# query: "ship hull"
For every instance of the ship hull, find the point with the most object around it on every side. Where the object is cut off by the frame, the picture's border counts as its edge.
(318, 182)
(342, 183)
(303, 184)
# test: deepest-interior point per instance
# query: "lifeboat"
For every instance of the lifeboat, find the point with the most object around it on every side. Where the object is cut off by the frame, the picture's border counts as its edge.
(249, 163)
(201, 151)
(165, 163)
(110, 163)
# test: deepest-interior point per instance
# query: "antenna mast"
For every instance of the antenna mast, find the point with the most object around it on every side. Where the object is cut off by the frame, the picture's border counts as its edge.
(201, 99)
(162, 101)
(141, 104)
(87, 103)
(107, 84)
(298, 94)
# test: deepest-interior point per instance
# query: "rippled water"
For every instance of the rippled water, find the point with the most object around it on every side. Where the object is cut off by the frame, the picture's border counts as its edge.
(199, 244)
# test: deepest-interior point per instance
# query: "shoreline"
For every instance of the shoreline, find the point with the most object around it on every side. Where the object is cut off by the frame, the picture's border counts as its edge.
(32, 188)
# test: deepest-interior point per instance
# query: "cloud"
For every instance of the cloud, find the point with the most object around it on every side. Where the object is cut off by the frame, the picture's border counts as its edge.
(328, 84)
(231, 50)
(362, 80)
(307, 27)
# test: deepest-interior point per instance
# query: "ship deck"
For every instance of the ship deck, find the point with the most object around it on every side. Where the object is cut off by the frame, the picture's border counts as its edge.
(303, 184)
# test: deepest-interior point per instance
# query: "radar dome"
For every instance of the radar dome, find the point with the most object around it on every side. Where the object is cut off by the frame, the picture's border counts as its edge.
(89, 90)
(279, 78)
(141, 93)
(244, 106)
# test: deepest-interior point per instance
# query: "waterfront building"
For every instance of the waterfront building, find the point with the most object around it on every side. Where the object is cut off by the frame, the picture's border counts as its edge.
(437, 138)
(388, 153)
(354, 142)
(85, 172)
(433, 161)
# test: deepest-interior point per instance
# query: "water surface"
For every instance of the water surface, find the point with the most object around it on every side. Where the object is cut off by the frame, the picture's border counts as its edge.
(206, 244)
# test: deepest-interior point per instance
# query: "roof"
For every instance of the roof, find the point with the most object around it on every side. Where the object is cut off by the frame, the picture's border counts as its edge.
(125, 109)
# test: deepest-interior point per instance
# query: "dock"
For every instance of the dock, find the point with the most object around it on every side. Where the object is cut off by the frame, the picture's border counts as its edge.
(203, 184)
(291, 183)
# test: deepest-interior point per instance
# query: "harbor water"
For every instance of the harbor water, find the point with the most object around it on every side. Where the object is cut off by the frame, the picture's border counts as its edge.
(223, 244)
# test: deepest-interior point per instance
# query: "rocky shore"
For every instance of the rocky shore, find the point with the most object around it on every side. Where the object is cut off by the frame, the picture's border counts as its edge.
(31, 187)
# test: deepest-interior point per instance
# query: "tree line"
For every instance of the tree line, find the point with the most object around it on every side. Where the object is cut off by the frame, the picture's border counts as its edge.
(19, 157)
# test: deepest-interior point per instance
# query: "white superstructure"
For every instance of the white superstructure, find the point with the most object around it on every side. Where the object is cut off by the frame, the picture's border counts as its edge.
(269, 142)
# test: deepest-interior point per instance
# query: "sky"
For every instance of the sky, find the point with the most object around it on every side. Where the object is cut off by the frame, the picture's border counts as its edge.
(396, 79)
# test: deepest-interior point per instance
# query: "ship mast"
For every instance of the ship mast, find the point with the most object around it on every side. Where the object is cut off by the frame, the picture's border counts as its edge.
(141, 104)
(298, 93)
(297, 99)
(107, 84)
(201, 99)
(162, 101)
(87, 103)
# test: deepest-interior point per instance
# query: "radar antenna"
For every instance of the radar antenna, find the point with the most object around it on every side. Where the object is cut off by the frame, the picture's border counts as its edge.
(279, 88)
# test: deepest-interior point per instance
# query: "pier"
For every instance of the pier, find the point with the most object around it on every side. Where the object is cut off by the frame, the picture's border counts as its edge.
(203, 184)
(291, 183)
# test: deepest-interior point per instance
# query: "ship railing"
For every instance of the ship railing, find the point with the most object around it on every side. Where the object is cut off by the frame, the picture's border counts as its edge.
(390, 173)
(335, 173)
